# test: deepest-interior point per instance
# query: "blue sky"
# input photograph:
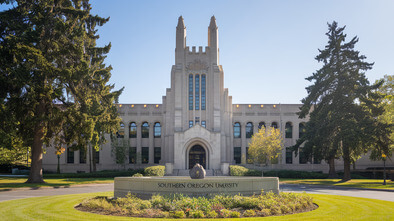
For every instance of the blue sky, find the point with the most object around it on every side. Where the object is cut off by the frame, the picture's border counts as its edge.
(267, 48)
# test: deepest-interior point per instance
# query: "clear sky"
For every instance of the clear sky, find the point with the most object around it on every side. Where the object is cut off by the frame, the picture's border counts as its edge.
(267, 48)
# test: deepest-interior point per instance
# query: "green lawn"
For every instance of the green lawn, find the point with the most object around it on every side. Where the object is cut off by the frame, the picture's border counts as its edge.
(7, 183)
(357, 183)
(62, 208)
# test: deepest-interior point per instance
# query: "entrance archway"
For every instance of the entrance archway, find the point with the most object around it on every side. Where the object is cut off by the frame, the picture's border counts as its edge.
(197, 154)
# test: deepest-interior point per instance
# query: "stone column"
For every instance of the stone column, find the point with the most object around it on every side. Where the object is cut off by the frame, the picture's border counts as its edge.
(243, 143)
(151, 142)
(139, 140)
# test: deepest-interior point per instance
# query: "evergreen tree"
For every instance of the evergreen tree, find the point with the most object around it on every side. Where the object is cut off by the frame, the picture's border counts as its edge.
(54, 84)
(341, 103)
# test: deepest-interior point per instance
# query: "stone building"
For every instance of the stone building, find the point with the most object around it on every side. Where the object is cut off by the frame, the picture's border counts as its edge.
(195, 123)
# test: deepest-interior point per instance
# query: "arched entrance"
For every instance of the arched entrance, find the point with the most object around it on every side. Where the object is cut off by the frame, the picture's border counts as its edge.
(197, 154)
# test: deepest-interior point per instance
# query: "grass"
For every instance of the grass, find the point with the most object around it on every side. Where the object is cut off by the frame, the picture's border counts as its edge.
(355, 183)
(7, 183)
(62, 208)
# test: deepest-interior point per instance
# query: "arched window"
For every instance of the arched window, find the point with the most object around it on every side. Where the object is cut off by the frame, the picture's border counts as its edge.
(157, 130)
(301, 128)
(197, 92)
(190, 92)
(133, 130)
(261, 125)
(274, 125)
(249, 130)
(288, 130)
(120, 133)
(237, 130)
(145, 130)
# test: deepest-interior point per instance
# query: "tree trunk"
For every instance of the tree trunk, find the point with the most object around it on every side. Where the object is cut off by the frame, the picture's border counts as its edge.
(90, 158)
(346, 164)
(94, 160)
(35, 175)
(331, 172)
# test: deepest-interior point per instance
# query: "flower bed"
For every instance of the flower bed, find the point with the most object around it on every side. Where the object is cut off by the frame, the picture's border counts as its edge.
(219, 206)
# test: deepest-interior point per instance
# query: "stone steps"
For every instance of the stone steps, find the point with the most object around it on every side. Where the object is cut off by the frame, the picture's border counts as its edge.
(208, 173)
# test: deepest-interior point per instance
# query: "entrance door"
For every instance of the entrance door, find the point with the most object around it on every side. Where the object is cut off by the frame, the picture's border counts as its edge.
(197, 155)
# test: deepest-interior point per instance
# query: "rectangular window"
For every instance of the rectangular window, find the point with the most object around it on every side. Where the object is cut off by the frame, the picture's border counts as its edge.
(197, 92)
(203, 89)
(132, 155)
(157, 155)
(145, 154)
(96, 156)
(82, 155)
(289, 156)
(190, 123)
(190, 92)
(204, 124)
(70, 156)
(237, 155)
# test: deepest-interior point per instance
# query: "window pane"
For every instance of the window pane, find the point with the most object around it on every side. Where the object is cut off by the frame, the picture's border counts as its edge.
(133, 155)
(190, 92)
(133, 130)
(237, 130)
(157, 155)
(237, 155)
(249, 130)
(145, 154)
(190, 123)
(197, 92)
(289, 156)
(70, 156)
(301, 130)
(274, 125)
(204, 124)
(261, 124)
(288, 130)
(203, 89)
(120, 133)
(97, 156)
(145, 130)
(157, 130)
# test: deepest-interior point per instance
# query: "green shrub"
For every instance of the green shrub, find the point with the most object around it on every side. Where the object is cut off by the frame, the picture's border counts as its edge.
(137, 175)
(197, 214)
(236, 170)
(212, 214)
(154, 171)
(225, 213)
(249, 213)
(235, 214)
(178, 214)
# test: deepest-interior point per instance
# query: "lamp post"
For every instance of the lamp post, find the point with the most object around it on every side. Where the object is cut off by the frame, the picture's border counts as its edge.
(384, 168)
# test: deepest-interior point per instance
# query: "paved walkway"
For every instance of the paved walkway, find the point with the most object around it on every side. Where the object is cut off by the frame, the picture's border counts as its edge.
(27, 193)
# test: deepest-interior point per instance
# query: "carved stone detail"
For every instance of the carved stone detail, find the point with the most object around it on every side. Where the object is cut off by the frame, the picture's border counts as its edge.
(197, 65)
(197, 172)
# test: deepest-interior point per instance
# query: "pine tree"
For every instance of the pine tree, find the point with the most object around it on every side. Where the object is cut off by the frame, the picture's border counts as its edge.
(54, 84)
(339, 102)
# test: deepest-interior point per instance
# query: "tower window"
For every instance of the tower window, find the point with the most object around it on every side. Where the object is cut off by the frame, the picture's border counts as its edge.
(190, 123)
(190, 92)
(204, 124)
(203, 90)
(197, 92)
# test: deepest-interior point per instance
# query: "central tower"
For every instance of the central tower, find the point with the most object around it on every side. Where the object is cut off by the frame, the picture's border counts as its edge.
(198, 108)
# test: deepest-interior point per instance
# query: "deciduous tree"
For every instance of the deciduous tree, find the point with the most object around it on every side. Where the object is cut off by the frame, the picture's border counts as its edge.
(265, 145)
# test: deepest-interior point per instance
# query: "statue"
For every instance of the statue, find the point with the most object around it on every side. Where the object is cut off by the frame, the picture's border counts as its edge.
(197, 172)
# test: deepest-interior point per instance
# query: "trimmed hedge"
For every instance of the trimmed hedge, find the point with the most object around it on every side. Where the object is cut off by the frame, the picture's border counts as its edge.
(154, 171)
(100, 174)
(236, 170)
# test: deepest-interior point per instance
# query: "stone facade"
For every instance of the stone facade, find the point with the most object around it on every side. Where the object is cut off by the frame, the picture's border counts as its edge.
(196, 123)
